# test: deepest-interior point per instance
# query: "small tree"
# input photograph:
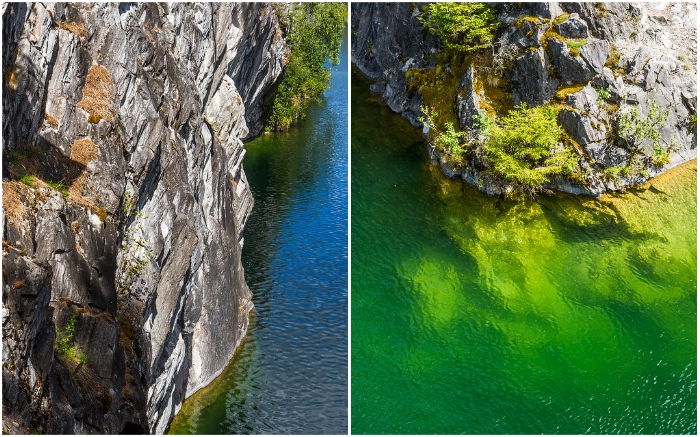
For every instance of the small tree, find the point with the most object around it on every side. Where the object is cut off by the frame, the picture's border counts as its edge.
(638, 132)
(461, 26)
(523, 147)
(449, 140)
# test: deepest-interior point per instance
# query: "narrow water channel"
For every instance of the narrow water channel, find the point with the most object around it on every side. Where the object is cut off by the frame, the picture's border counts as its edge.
(482, 315)
(289, 375)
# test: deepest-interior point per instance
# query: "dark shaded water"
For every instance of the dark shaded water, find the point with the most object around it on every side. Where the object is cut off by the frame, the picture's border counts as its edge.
(482, 315)
(290, 374)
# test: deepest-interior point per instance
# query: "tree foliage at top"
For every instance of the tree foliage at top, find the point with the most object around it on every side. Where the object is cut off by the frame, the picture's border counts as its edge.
(461, 26)
(315, 34)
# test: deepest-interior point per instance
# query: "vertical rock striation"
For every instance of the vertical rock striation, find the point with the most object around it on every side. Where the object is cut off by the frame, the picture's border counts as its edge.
(125, 293)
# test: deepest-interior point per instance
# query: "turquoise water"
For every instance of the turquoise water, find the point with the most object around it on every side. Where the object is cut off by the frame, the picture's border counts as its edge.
(483, 315)
(289, 375)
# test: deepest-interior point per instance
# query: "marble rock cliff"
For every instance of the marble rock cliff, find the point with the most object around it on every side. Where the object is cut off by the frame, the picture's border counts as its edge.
(560, 53)
(124, 202)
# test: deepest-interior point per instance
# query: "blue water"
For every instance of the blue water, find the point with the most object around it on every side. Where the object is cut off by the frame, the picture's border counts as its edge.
(290, 374)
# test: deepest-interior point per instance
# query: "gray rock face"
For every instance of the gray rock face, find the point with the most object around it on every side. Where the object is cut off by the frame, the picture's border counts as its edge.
(531, 81)
(139, 110)
(572, 27)
(467, 101)
(632, 51)
(387, 40)
(586, 122)
(579, 67)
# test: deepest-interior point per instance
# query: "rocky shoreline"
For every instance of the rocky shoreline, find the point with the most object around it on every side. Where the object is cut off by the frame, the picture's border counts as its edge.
(562, 53)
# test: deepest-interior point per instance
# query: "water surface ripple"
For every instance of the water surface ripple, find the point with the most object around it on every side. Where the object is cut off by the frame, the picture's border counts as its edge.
(483, 315)
(290, 374)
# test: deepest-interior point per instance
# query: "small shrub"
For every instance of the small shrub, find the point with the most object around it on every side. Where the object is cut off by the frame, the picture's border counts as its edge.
(64, 338)
(638, 132)
(451, 140)
(616, 172)
(523, 147)
(659, 157)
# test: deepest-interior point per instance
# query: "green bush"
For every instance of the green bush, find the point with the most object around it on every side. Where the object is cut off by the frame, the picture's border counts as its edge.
(451, 140)
(315, 35)
(524, 147)
(638, 132)
(659, 156)
(461, 26)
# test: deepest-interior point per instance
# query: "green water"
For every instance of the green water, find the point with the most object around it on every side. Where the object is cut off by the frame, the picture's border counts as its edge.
(474, 314)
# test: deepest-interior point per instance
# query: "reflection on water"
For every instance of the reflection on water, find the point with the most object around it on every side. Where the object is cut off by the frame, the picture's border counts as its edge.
(476, 314)
(290, 374)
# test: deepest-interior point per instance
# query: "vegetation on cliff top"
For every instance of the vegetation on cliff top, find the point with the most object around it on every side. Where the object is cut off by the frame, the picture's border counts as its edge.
(461, 26)
(315, 34)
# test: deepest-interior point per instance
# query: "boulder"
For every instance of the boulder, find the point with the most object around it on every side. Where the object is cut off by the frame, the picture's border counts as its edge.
(572, 27)
(585, 121)
(467, 100)
(531, 81)
(579, 65)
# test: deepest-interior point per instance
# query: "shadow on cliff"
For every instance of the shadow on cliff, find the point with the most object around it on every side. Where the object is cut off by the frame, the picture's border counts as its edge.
(25, 151)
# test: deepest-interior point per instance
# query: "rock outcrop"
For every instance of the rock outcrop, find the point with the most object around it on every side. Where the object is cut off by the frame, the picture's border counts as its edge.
(597, 61)
(123, 290)
(387, 41)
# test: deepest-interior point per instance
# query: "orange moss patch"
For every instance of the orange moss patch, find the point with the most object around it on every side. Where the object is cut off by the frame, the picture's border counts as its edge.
(76, 196)
(51, 120)
(13, 78)
(567, 90)
(98, 94)
(83, 151)
(11, 201)
(78, 29)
